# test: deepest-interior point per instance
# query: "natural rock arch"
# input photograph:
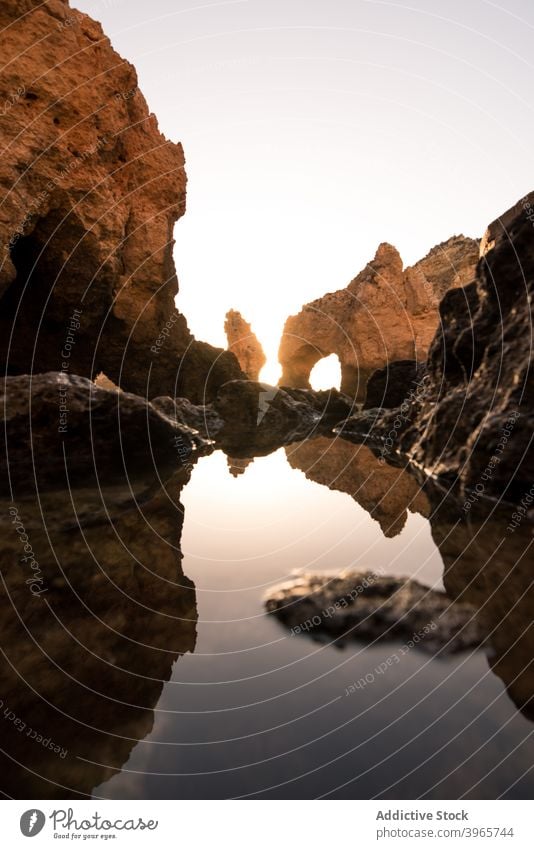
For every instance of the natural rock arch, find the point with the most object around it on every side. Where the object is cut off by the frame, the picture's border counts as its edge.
(386, 313)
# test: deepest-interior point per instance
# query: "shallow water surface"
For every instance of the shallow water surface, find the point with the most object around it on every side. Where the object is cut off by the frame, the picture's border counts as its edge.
(255, 711)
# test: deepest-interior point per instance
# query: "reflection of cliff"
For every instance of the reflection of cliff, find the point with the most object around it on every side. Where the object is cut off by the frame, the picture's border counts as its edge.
(86, 660)
(491, 568)
(386, 313)
(386, 492)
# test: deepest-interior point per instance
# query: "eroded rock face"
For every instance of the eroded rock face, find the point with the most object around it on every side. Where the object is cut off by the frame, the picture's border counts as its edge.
(479, 422)
(386, 313)
(368, 606)
(244, 344)
(89, 194)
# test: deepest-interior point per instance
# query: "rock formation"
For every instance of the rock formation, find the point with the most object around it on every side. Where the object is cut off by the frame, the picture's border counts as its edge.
(259, 418)
(480, 419)
(385, 491)
(389, 386)
(61, 429)
(368, 606)
(385, 313)
(472, 420)
(244, 344)
(89, 193)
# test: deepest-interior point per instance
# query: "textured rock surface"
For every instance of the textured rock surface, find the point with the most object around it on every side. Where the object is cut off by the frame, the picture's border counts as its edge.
(386, 313)
(386, 492)
(480, 420)
(244, 344)
(389, 386)
(450, 264)
(367, 606)
(201, 418)
(60, 429)
(89, 193)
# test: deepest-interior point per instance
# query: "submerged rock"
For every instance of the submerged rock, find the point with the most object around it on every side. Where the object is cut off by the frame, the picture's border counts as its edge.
(368, 606)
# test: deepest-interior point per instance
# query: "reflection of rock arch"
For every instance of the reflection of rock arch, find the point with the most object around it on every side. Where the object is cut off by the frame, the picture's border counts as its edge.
(385, 314)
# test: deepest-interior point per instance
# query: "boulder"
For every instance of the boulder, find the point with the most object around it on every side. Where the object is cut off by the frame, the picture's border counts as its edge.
(61, 429)
(389, 386)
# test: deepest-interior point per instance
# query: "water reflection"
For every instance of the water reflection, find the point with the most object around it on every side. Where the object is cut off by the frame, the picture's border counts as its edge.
(86, 660)
(384, 491)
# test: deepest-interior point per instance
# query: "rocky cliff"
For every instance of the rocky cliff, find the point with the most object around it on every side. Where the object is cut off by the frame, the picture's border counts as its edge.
(89, 193)
(386, 313)
(478, 421)
(244, 344)
(471, 417)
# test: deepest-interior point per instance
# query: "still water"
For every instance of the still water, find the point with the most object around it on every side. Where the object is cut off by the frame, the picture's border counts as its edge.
(254, 711)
